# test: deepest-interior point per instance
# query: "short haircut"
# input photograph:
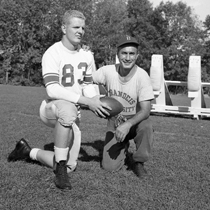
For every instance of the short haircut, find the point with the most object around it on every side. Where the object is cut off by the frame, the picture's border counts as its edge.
(70, 14)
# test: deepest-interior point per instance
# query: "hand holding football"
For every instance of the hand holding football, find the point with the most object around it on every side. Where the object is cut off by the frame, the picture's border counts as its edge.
(116, 106)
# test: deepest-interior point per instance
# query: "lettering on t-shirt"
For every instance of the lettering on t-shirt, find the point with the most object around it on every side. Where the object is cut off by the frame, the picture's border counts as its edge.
(125, 96)
(129, 109)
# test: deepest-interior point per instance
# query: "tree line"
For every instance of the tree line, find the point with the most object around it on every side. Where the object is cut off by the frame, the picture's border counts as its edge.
(29, 27)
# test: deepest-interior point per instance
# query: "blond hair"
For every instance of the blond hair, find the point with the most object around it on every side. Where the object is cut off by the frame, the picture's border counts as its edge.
(70, 14)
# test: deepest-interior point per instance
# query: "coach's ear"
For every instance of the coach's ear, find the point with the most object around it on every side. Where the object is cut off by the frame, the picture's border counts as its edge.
(63, 28)
(137, 56)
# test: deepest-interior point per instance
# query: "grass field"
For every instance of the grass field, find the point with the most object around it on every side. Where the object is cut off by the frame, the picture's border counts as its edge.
(178, 171)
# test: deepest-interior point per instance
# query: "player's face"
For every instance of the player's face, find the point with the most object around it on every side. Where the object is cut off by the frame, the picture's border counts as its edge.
(74, 30)
(127, 57)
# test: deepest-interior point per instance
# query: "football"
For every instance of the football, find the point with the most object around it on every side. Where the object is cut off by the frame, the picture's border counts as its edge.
(116, 106)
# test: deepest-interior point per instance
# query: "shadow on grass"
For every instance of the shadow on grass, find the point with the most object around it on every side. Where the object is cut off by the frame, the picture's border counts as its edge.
(98, 146)
(84, 156)
(49, 147)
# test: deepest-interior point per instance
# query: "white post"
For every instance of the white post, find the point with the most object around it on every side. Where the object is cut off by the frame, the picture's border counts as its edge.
(157, 79)
(195, 92)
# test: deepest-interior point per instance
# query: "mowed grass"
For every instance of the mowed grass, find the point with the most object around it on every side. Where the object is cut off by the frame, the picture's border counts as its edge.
(178, 171)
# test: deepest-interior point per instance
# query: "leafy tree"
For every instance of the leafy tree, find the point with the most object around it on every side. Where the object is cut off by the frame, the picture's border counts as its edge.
(27, 29)
(139, 25)
(179, 36)
(23, 31)
(206, 56)
(106, 25)
(7, 15)
(207, 23)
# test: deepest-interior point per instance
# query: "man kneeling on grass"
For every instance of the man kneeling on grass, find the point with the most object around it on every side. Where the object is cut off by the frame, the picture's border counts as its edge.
(66, 70)
(130, 85)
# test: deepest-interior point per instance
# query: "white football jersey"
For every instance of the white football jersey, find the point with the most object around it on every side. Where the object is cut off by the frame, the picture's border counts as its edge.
(70, 69)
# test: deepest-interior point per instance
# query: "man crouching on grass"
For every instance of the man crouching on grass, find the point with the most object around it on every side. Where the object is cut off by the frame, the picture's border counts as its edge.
(131, 86)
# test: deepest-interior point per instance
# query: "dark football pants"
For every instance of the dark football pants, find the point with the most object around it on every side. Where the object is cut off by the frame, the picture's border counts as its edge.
(114, 153)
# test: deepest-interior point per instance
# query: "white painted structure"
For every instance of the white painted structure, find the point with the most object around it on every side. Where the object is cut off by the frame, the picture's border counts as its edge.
(163, 102)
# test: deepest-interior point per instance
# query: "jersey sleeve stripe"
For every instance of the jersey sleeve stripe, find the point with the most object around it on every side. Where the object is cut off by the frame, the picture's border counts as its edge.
(54, 74)
(50, 79)
(50, 83)
(88, 78)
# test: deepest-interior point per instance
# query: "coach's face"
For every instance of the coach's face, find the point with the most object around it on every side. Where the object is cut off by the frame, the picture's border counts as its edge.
(127, 56)
(74, 30)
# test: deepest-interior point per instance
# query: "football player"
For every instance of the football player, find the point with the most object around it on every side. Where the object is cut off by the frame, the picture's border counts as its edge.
(66, 69)
(131, 86)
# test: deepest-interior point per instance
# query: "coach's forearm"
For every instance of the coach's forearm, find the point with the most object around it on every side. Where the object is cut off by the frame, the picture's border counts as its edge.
(143, 114)
(138, 117)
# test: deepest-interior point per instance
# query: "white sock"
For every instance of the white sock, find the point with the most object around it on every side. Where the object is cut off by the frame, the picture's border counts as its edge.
(61, 153)
(33, 153)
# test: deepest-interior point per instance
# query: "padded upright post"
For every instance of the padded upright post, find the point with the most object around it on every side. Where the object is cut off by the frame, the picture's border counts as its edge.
(195, 91)
(160, 89)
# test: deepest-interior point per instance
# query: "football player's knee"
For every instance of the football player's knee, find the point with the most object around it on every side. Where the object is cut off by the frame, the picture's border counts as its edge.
(47, 116)
(67, 115)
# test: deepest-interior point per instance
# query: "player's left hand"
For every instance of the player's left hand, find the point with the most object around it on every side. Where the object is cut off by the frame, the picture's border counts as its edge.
(122, 131)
